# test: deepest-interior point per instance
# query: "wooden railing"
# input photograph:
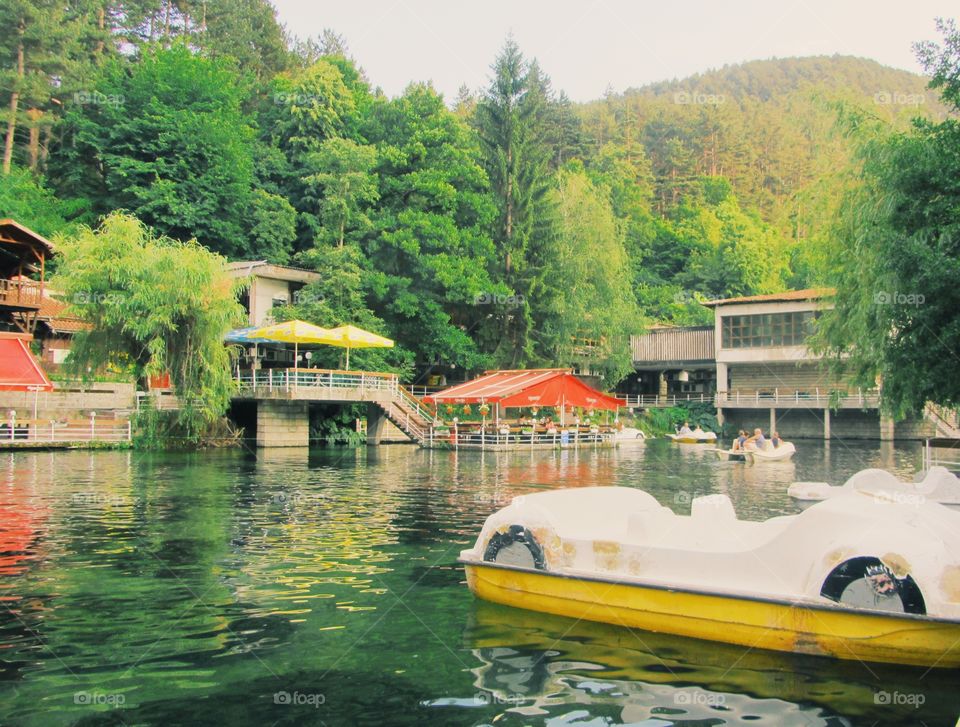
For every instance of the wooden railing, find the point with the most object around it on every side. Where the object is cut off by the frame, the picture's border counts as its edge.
(20, 293)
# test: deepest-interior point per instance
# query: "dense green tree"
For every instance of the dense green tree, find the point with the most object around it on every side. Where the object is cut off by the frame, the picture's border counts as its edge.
(154, 305)
(586, 311)
(432, 251)
(896, 261)
(25, 198)
(41, 49)
(510, 120)
(303, 111)
(247, 31)
(342, 172)
(273, 227)
(166, 138)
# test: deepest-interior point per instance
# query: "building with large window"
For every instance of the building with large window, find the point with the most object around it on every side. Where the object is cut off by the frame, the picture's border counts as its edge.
(756, 364)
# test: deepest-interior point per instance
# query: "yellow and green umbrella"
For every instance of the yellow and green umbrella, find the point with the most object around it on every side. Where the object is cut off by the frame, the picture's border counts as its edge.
(295, 332)
(352, 337)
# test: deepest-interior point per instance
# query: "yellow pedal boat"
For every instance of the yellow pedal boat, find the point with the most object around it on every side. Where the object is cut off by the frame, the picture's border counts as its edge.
(853, 577)
(697, 436)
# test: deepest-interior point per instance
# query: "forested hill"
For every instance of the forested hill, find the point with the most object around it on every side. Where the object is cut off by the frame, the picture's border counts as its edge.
(768, 127)
(767, 79)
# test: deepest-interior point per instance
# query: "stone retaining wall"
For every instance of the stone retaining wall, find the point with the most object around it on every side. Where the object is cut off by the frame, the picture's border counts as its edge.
(70, 400)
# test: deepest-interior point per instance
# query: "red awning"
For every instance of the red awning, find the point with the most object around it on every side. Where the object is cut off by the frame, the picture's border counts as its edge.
(527, 388)
(19, 370)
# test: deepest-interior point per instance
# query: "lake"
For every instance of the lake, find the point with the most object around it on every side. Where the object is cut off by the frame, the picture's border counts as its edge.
(321, 588)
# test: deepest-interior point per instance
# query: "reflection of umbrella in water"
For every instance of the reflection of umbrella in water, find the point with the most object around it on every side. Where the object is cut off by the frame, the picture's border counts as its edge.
(295, 332)
(352, 337)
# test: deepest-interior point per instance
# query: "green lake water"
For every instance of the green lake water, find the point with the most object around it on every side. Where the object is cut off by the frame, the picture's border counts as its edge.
(321, 588)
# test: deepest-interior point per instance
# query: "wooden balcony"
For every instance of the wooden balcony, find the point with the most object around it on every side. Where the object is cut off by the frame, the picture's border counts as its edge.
(24, 295)
(673, 347)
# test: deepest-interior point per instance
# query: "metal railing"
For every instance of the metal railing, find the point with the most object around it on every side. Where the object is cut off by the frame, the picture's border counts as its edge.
(649, 400)
(479, 438)
(40, 431)
(861, 397)
(934, 456)
(291, 379)
(405, 409)
(412, 402)
(419, 390)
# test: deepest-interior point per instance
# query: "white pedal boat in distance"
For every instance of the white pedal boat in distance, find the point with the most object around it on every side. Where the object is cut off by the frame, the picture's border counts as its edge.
(938, 485)
(853, 577)
(768, 453)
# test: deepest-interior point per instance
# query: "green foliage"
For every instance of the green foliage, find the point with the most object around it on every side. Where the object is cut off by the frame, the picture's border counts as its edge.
(273, 227)
(668, 419)
(432, 249)
(341, 171)
(896, 261)
(26, 199)
(169, 142)
(155, 305)
(586, 310)
(511, 121)
(336, 425)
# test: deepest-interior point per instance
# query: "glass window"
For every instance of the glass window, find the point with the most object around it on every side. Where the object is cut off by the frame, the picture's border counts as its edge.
(767, 329)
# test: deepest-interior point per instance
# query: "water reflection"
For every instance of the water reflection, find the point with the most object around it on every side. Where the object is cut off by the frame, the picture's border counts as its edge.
(545, 665)
(176, 589)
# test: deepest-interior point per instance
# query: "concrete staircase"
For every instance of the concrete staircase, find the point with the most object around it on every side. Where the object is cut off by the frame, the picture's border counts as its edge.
(410, 415)
(946, 420)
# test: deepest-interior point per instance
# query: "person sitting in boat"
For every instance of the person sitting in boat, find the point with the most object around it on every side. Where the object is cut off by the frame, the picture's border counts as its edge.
(757, 441)
(698, 432)
(739, 441)
(685, 430)
(775, 439)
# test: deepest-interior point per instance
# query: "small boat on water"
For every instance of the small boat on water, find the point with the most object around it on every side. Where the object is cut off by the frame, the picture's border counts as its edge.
(731, 455)
(697, 436)
(939, 485)
(783, 452)
(768, 453)
(853, 577)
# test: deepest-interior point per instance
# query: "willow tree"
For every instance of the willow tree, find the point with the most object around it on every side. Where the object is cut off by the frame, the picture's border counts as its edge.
(897, 254)
(154, 305)
(586, 308)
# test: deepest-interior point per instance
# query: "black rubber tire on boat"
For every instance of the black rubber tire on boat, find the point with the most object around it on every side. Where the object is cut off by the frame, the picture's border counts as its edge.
(515, 535)
(856, 568)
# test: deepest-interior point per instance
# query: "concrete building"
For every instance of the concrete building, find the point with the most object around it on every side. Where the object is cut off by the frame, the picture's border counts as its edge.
(756, 366)
(270, 286)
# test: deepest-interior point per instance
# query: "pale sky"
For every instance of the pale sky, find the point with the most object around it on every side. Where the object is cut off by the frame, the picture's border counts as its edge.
(588, 46)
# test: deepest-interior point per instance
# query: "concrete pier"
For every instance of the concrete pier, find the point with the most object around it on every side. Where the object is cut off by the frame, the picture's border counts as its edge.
(282, 423)
(376, 421)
